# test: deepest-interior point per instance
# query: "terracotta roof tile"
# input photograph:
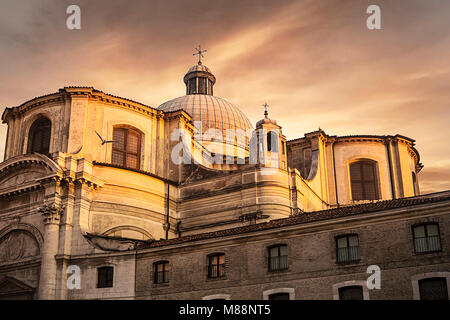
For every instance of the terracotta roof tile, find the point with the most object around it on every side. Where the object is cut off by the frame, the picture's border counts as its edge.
(309, 217)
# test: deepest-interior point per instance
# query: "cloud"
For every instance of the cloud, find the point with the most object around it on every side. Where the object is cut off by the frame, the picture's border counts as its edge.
(314, 62)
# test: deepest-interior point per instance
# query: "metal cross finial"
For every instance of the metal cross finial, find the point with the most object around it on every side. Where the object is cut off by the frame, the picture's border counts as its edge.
(266, 111)
(199, 53)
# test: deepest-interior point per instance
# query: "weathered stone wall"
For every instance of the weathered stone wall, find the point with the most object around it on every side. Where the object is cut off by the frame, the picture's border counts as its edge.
(313, 271)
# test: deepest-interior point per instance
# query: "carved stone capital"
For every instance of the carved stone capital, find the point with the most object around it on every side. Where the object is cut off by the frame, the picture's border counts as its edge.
(51, 213)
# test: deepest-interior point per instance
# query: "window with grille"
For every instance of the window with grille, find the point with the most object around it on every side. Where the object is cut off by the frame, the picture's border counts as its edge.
(426, 238)
(279, 296)
(161, 272)
(216, 266)
(278, 258)
(364, 180)
(351, 293)
(39, 136)
(347, 248)
(126, 149)
(433, 289)
(105, 277)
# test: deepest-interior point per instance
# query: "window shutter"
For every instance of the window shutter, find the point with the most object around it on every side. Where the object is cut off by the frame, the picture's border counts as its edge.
(363, 177)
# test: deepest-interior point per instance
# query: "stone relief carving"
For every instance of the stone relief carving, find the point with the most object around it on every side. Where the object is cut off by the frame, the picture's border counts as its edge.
(51, 212)
(16, 245)
(20, 178)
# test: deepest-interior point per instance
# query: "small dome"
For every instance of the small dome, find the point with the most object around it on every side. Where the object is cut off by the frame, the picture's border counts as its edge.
(213, 112)
(199, 67)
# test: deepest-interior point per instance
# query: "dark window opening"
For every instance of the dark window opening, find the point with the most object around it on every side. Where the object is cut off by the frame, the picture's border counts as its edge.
(39, 136)
(347, 248)
(415, 186)
(351, 293)
(210, 87)
(161, 272)
(126, 150)
(202, 85)
(278, 258)
(433, 289)
(272, 141)
(364, 182)
(192, 86)
(426, 238)
(216, 266)
(279, 296)
(105, 277)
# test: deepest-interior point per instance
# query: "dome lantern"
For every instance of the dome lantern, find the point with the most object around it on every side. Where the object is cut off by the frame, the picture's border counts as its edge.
(199, 79)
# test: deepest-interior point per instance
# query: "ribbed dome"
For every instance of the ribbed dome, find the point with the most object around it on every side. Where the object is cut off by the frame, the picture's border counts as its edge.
(199, 67)
(213, 112)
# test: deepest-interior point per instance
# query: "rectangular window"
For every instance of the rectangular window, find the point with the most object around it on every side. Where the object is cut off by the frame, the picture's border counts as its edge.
(433, 289)
(216, 267)
(426, 238)
(161, 272)
(279, 296)
(347, 248)
(278, 258)
(105, 276)
(126, 148)
(351, 293)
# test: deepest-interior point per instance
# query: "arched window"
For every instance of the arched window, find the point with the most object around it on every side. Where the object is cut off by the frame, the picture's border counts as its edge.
(415, 185)
(364, 180)
(351, 293)
(433, 289)
(126, 147)
(39, 136)
(272, 141)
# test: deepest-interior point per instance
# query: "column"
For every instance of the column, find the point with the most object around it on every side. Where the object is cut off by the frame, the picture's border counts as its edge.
(47, 281)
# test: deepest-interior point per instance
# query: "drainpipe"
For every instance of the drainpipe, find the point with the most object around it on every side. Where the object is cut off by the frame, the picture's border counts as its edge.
(388, 148)
(335, 182)
(167, 224)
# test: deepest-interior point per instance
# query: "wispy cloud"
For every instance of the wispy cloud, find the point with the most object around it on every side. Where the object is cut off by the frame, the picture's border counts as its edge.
(314, 62)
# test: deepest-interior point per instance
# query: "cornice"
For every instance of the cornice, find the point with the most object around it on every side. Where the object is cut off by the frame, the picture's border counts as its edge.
(78, 92)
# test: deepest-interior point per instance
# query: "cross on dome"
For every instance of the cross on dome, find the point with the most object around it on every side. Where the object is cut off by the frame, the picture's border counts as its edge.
(266, 110)
(199, 52)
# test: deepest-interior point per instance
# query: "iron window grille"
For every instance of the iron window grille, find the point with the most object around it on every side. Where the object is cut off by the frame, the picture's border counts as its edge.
(347, 249)
(216, 266)
(126, 148)
(278, 258)
(426, 238)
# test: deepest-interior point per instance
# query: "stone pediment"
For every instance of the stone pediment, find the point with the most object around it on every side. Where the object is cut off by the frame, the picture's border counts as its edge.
(26, 172)
(11, 288)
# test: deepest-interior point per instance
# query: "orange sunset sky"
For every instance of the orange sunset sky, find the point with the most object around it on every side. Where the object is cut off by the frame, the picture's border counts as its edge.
(314, 62)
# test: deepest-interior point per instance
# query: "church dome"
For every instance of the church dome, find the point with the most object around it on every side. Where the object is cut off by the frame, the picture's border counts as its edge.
(213, 112)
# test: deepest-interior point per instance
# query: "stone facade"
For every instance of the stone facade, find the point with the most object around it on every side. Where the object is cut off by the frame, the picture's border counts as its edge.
(74, 205)
(385, 240)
